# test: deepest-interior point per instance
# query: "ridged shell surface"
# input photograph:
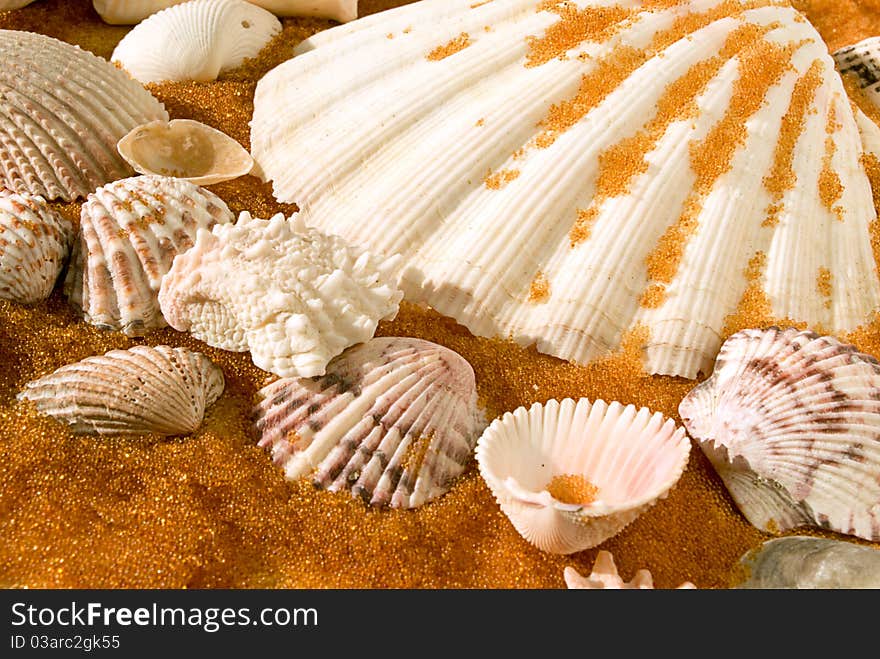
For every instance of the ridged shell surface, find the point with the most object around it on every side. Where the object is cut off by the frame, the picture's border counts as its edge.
(291, 295)
(394, 420)
(131, 230)
(568, 173)
(804, 562)
(62, 111)
(160, 390)
(34, 244)
(862, 59)
(569, 475)
(791, 422)
(605, 577)
(196, 40)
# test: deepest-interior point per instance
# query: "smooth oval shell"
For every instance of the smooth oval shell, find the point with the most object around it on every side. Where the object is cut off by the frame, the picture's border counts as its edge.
(129, 12)
(185, 149)
(337, 10)
(291, 295)
(196, 40)
(159, 390)
(394, 420)
(34, 244)
(791, 422)
(131, 231)
(805, 562)
(6, 5)
(630, 458)
(572, 174)
(62, 111)
(605, 577)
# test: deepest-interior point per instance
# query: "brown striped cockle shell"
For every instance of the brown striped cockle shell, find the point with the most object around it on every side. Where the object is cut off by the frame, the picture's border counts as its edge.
(143, 390)
(862, 60)
(34, 244)
(131, 231)
(605, 577)
(791, 422)
(394, 420)
(62, 111)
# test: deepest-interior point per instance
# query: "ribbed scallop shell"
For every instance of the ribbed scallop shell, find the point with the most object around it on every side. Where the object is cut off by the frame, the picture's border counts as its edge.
(625, 458)
(62, 111)
(394, 420)
(863, 59)
(129, 12)
(804, 562)
(291, 295)
(791, 422)
(131, 231)
(34, 243)
(160, 390)
(565, 173)
(197, 40)
(605, 577)
(185, 149)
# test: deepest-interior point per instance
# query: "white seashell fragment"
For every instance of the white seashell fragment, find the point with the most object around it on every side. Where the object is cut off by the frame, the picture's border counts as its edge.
(605, 577)
(804, 562)
(129, 12)
(791, 422)
(185, 149)
(863, 60)
(6, 5)
(131, 231)
(160, 390)
(570, 475)
(291, 295)
(566, 173)
(337, 10)
(197, 40)
(34, 243)
(62, 111)
(394, 420)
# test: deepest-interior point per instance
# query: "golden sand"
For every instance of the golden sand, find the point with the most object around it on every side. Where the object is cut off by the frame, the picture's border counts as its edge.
(211, 510)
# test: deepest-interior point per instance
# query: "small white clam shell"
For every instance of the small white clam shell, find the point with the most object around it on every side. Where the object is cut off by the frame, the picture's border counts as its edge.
(394, 420)
(160, 390)
(337, 10)
(186, 149)
(631, 457)
(131, 231)
(62, 111)
(291, 295)
(605, 577)
(791, 422)
(196, 40)
(34, 244)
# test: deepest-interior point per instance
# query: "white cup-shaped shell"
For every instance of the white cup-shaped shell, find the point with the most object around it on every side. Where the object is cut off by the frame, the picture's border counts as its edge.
(605, 463)
(187, 149)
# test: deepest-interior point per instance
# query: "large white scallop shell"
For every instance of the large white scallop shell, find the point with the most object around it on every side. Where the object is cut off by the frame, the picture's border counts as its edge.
(196, 40)
(62, 111)
(394, 420)
(605, 577)
(624, 458)
(34, 243)
(791, 422)
(131, 231)
(563, 173)
(187, 149)
(160, 390)
(291, 295)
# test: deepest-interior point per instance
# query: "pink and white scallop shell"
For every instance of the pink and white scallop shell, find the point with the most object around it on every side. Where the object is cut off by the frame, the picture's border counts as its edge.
(62, 111)
(131, 231)
(629, 457)
(292, 296)
(34, 244)
(791, 422)
(394, 420)
(605, 577)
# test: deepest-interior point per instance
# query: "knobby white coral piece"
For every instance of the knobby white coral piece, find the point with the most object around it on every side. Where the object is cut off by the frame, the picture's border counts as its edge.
(605, 576)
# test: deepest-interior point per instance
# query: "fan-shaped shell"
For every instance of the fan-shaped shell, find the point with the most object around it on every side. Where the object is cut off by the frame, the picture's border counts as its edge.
(570, 475)
(34, 243)
(862, 59)
(567, 173)
(394, 420)
(185, 149)
(62, 111)
(605, 577)
(291, 295)
(805, 562)
(791, 422)
(196, 40)
(160, 390)
(131, 231)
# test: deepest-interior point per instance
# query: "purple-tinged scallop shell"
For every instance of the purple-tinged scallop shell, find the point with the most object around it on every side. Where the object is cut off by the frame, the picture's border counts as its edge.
(394, 420)
(791, 422)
